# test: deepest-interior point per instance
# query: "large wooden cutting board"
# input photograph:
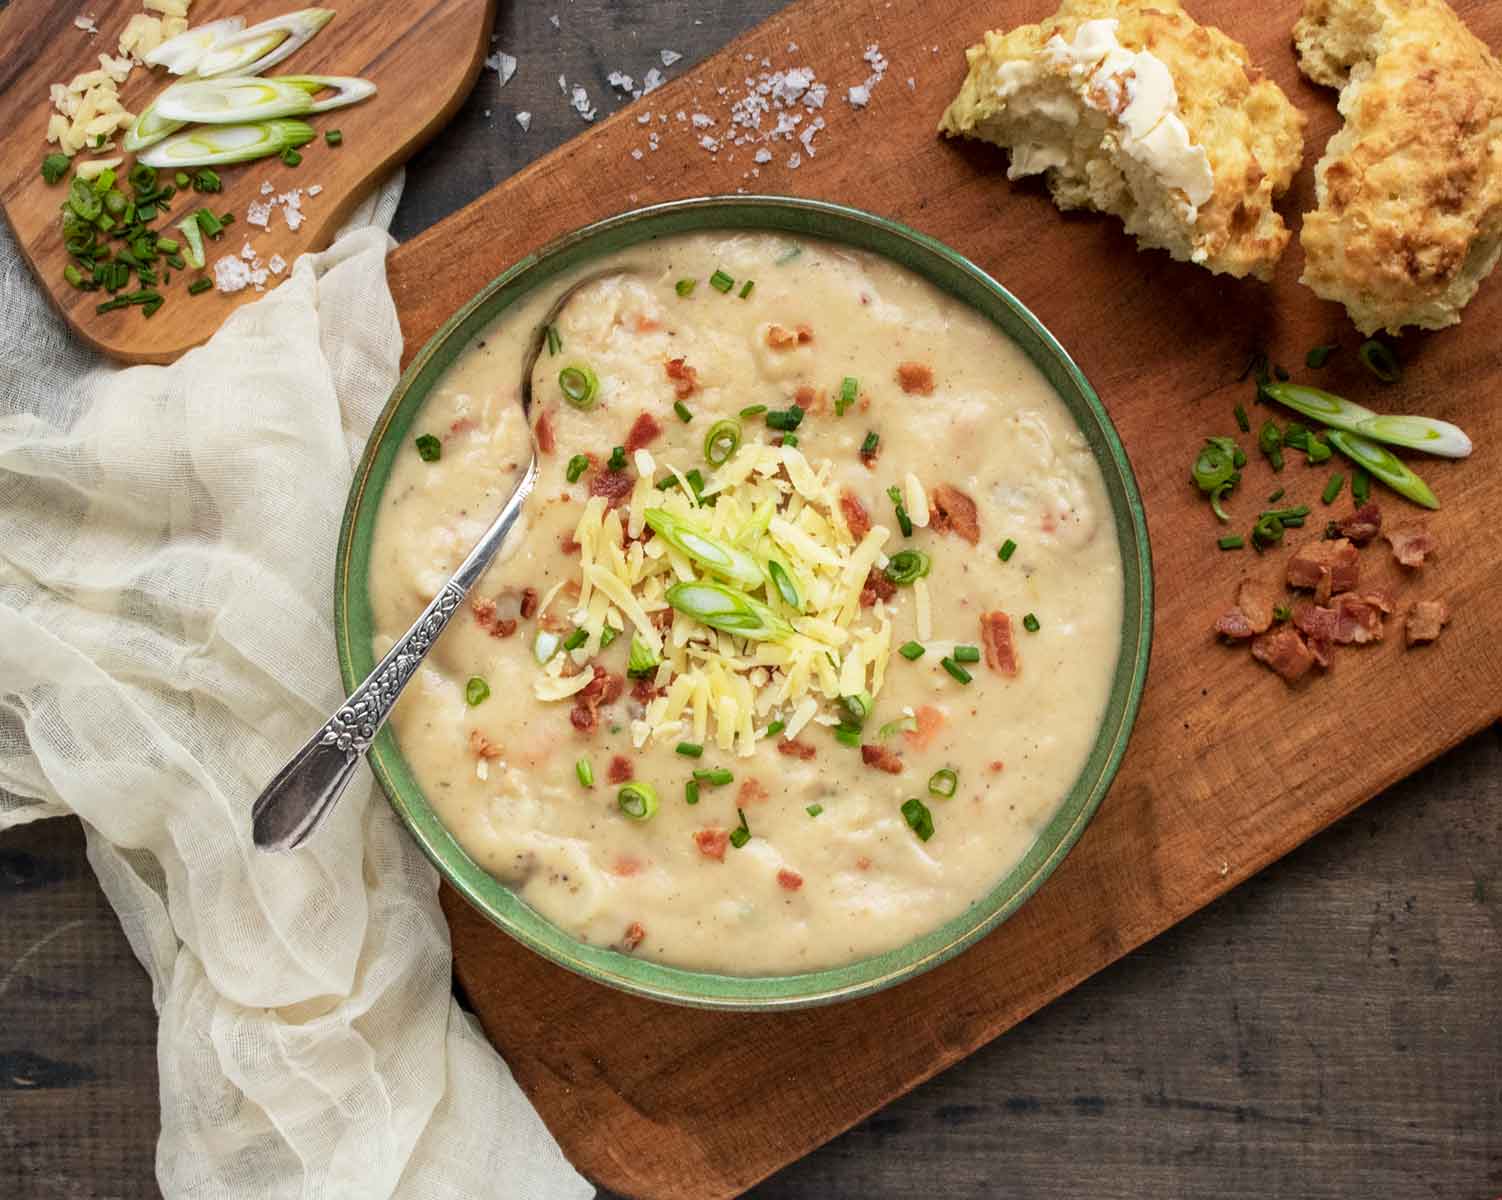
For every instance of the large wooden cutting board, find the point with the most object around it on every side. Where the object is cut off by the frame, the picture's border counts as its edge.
(422, 55)
(1229, 769)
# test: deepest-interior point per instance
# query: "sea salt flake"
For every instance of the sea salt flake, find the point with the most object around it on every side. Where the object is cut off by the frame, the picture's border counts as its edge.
(524, 119)
(620, 80)
(87, 23)
(709, 143)
(579, 99)
(503, 64)
(277, 264)
(259, 213)
(248, 252)
(231, 274)
(651, 81)
(669, 57)
(637, 154)
(266, 188)
(859, 96)
(702, 120)
(763, 155)
(555, 22)
(315, 189)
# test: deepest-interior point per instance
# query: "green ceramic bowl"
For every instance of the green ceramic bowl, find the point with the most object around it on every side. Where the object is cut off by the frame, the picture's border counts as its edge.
(952, 274)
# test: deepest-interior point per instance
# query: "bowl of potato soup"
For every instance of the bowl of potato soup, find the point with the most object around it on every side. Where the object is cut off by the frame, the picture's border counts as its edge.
(822, 633)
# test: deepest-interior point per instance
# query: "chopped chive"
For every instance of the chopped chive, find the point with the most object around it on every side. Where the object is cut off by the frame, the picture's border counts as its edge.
(73, 275)
(714, 776)
(740, 835)
(206, 180)
(1030, 623)
(291, 157)
(785, 420)
(1243, 422)
(814, 810)
(685, 287)
(967, 654)
(1319, 356)
(871, 441)
(1008, 548)
(1231, 541)
(849, 389)
(720, 281)
(429, 448)
(912, 651)
(1276, 496)
(1378, 358)
(1317, 451)
(576, 468)
(790, 439)
(575, 639)
(555, 343)
(199, 285)
(585, 771)
(689, 749)
(1361, 486)
(944, 782)
(637, 800)
(746, 291)
(848, 735)
(1270, 442)
(683, 412)
(476, 691)
(753, 410)
(1281, 374)
(617, 461)
(957, 671)
(1333, 487)
(918, 818)
(904, 522)
(691, 792)
(333, 137)
(608, 635)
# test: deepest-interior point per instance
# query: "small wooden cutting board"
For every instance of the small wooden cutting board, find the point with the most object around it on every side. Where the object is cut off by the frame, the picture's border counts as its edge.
(422, 55)
(1229, 769)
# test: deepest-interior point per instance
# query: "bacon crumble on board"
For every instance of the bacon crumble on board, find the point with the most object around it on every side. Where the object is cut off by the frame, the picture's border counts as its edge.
(546, 441)
(788, 880)
(633, 937)
(881, 758)
(644, 430)
(877, 587)
(685, 378)
(1425, 620)
(915, 378)
(601, 690)
(1252, 613)
(951, 511)
(1284, 650)
(712, 843)
(620, 769)
(615, 486)
(856, 516)
(1362, 525)
(1325, 566)
(1411, 544)
(996, 637)
(793, 748)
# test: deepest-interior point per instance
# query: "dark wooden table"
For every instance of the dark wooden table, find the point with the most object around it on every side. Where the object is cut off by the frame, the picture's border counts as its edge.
(1328, 1030)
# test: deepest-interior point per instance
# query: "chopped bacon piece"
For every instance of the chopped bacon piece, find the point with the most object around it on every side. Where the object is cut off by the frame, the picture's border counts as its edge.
(712, 843)
(626, 865)
(805, 334)
(1315, 621)
(1358, 616)
(620, 769)
(1362, 525)
(1284, 650)
(881, 758)
(529, 603)
(868, 457)
(863, 863)
(752, 791)
(1424, 621)
(855, 514)
(462, 425)
(1411, 543)
(930, 721)
(615, 486)
(644, 691)
(1325, 566)
(643, 431)
(997, 766)
(661, 618)
(789, 880)
(1253, 613)
(685, 378)
(996, 637)
(780, 338)
(916, 378)
(811, 400)
(485, 617)
(793, 748)
(950, 510)
(604, 688)
(567, 544)
(546, 441)
(646, 324)
(877, 587)
(481, 746)
(633, 937)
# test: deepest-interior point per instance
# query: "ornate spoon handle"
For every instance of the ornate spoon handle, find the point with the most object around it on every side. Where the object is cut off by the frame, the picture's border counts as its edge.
(305, 790)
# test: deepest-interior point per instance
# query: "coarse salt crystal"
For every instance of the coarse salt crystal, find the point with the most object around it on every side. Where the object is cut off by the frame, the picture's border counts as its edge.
(277, 264)
(315, 189)
(579, 100)
(859, 95)
(620, 80)
(763, 155)
(524, 119)
(231, 274)
(669, 57)
(248, 252)
(709, 143)
(86, 22)
(651, 81)
(702, 120)
(259, 213)
(637, 154)
(266, 188)
(555, 22)
(503, 64)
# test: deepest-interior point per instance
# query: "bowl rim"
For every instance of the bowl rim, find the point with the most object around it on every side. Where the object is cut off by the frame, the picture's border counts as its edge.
(501, 906)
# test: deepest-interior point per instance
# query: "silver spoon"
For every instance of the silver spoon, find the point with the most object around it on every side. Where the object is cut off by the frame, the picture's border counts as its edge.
(304, 792)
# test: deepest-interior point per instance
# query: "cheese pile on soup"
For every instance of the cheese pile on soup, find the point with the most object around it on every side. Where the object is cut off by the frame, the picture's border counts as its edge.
(808, 629)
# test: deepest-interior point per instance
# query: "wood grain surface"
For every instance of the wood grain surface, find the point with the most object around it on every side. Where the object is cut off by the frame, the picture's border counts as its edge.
(423, 55)
(1228, 771)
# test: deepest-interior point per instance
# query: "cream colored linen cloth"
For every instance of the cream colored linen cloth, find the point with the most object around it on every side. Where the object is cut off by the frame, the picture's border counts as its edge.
(166, 563)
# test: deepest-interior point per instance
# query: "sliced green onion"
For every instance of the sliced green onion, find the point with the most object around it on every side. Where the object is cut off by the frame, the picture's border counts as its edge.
(753, 410)
(859, 706)
(476, 691)
(576, 639)
(1215, 465)
(900, 725)
(261, 47)
(1030, 623)
(1417, 433)
(967, 654)
(84, 200)
(231, 100)
(790, 439)
(334, 137)
(579, 384)
(1232, 541)
(1243, 422)
(199, 286)
(747, 289)
(685, 287)
(544, 646)
(848, 735)
(74, 276)
(722, 607)
(1281, 612)
(1319, 356)
(944, 782)
(642, 661)
(720, 281)
(1270, 442)
(722, 441)
(783, 582)
(617, 459)
(576, 468)
(1316, 451)
(54, 167)
(1361, 486)
(637, 800)
(691, 792)
(192, 233)
(429, 448)
(907, 566)
(955, 670)
(1008, 548)
(689, 749)
(912, 651)
(585, 771)
(785, 420)
(1215, 498)
(608, 634)
(714, 776)
(904, 522)
(148, 129)
(729, 562)
(555, 343)
(684, 413)
(869, 444)
(209, 145)
(918, 818)
(741, 834)
(850, 388)
(1385, 465)
(1332, 488)
(775, 728)
(814, 810)
(1378, 358)
(291, 157)
(181, 54)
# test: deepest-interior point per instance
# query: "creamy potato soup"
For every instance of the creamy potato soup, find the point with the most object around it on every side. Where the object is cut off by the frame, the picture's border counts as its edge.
(808, 628)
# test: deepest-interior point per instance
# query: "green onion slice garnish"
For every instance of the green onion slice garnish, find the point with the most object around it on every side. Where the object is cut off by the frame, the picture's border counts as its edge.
(685, 414)
(722, 441)
(617, 459)
(727, 561)
(907, 566)
(1318, 356)
(904, 522)
(814, 810)
(870, 443)
(783, 582)
(1361, 486)
(858, 705)
(741, 834)
(1243, 422)
(689, 749)
(1333, 487)
(753, 410)
(1384, 465)
(233, 99)
(585, 770)
(918, 818)
(691, 792)
(1417, 433)
(643, 661)
(576, 640)
(685, 287)
(721, 282)
(261, 47)
(785, 420)
(912, 651)
(747, 289)
(967, 654)
(429, 448)
(722, 607)
(210, 145)
(580, 385)
(944, 782)
(476, 691)
(775, 728)
(1030, 623)
(850, 388)
(958, 672)
(848, 735)
(1232, 541)
(54, 167)
(553, 340)
(1378, 358)
(714, 776)
(637, 800)
(576, 468)
(1008, 548)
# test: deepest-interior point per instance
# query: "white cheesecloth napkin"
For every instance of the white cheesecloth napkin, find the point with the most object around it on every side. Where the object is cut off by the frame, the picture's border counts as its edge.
(166, 547)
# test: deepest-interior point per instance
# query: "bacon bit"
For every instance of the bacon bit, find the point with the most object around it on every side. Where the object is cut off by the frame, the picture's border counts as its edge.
(712, 843)
(620, 769)
(855, 514)
(1358, 618)
(811, 400)
(1425, 619)
(645, 324)
(567, 544)
(634, 935)
(1252, 614)
(1284, 650)
(615, 486)
(950, 510)
(868, 457)
(881, 758)
(462, 425)
(751, 791)
(642, 433)
(1362, 525)
(793, 748)
(529, 603)
(996, 637)
(863, 863)
(644, 691)
(785, 339)
(685, 378)
(998, 766)
(546, 442)
(1411, 543)
(482, 747)
(789, 880)
(604, 688)
(916, 378)
(661, 618)
(805, 334)
(497, 627)
(877, 587)
(1325, 566)
(930, 721)
(626, 865)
